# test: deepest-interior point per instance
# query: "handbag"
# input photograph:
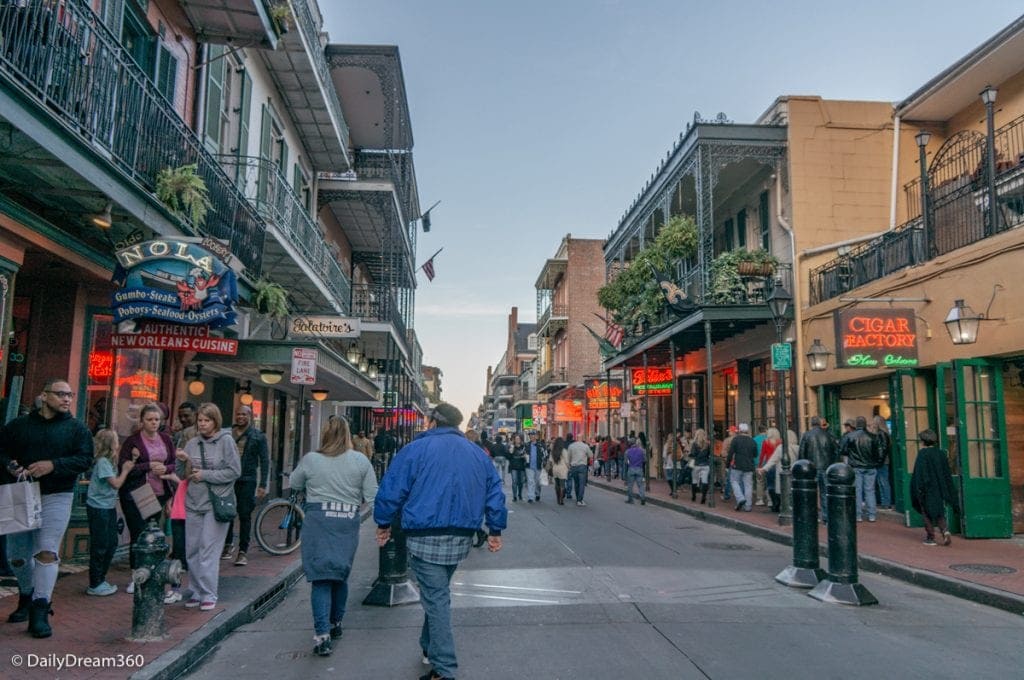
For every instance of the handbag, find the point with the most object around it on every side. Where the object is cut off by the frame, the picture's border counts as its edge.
(224, 507)
(145, 501)
(178, 504)
(21, 506)
(544, 480)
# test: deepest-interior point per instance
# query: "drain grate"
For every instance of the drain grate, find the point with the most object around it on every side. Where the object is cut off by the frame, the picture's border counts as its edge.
(982, 569)
(726, 546)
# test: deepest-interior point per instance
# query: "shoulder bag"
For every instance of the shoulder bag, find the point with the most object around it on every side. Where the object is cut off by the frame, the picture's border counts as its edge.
(224, 507)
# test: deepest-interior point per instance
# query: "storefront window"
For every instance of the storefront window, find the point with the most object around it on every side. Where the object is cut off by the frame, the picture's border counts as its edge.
(99, 372)
(136, 383)
(764, 394)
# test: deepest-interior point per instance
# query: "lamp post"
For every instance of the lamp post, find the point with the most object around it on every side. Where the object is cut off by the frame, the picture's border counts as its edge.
(922, 138)
(778, 303)
(988, 97)
(962, 324)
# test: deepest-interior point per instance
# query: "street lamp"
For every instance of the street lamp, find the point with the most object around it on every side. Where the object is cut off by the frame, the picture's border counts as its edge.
(962, 324)
(922, 138)
(778, 303)
(817, 356)
(988, 97)
(271, 376)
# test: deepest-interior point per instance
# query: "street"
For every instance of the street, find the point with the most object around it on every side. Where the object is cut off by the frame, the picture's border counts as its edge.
(628, 591)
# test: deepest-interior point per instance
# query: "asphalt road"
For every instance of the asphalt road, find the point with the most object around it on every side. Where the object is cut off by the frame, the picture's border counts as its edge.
(640, 592)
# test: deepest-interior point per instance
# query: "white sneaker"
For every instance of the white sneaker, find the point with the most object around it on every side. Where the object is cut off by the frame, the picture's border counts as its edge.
(172, 596)
(130, 588)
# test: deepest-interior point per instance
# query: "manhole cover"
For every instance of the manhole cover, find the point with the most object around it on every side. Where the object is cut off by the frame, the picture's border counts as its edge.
(725, 546)
(982, 569)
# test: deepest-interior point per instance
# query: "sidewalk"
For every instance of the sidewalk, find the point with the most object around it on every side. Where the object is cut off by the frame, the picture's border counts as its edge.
(86, 626)
(885, 547)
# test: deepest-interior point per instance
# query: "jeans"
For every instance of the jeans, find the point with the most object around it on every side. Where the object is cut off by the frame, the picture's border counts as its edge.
(436, 639)
(102, 542)
(518, 481)
(532, 484)
(328, 599)
(501, 465)
(884, 488)
(822, 498)
(245, 497)
(578, 478)
(742, 487)
(34, 576)
(634, 475)
(864, 480)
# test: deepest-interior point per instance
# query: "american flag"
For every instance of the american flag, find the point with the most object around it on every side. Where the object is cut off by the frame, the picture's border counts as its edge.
(428, 266)
(614, 333)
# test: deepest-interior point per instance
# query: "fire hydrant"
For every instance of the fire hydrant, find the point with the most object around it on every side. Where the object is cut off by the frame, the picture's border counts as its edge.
(152, 573)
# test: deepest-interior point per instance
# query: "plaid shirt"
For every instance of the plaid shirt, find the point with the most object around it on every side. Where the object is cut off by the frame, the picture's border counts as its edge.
(440, 549)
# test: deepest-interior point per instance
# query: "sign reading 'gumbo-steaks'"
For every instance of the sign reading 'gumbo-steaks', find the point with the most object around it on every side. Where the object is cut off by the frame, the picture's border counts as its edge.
(876, 338)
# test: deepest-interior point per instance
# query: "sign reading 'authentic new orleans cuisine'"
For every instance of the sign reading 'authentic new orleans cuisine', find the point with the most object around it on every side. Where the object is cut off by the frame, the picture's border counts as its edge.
(876, 338)
(602, 394)
(176, 280)
(654, 381)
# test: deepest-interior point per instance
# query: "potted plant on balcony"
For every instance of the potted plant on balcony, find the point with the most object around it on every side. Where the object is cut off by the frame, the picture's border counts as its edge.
(757, 262)
(281, 13)
(271, 299)
(729, 268)
(184, 192)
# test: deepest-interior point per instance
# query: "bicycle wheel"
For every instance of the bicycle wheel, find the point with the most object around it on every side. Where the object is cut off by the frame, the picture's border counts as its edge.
(279, 527)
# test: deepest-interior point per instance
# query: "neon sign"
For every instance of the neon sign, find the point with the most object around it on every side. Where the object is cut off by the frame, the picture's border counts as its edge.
(602, 395)
(652, 381)
(101, 366)
(873, 338)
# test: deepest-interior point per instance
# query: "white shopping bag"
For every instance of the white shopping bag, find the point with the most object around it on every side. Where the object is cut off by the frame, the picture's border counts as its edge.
(21, 507)
(544, 480)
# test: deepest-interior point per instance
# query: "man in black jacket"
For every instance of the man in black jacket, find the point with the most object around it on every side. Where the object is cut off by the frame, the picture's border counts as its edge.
(818, 447)
(252, 486)
(739, 461)
(52, 447)
(863, 455)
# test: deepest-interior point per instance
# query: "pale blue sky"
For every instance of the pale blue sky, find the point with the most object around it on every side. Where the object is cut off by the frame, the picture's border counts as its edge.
(537, 118)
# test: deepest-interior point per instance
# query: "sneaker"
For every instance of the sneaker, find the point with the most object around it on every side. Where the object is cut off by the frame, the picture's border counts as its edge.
(759, 502)
(324, 647)
(207, 605)
(336, 631)
(929, 541)
(872, 519)
(581, 504)
(946, 538)
(425, 661)
(130, 588)
(102, 590)
(226, 555)
(860, 519)
(739, 506)
(241, 560)
(172, 596)
(193, 603)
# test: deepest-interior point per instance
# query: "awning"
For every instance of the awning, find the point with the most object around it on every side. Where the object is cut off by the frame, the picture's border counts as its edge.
(343, 381)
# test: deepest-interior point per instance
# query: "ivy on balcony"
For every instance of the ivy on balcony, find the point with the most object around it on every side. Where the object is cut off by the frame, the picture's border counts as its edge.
(633, 296)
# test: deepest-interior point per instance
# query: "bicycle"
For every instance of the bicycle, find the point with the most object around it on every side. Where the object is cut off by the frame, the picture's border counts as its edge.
(278, 527)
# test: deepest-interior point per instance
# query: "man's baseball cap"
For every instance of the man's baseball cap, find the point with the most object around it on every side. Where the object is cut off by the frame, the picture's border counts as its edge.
(446, 415)
(732, 428)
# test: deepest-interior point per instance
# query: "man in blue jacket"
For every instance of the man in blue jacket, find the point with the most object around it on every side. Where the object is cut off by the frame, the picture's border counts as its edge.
(444, 485)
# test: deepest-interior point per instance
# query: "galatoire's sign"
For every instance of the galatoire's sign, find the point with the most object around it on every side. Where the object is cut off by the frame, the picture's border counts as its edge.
(179, 280)
(324, 327)
(876, 338)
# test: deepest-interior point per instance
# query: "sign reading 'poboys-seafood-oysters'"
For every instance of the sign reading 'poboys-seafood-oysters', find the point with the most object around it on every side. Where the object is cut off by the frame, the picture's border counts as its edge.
(876, 338)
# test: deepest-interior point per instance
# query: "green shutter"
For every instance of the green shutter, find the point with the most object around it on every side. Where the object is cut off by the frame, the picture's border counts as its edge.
(766, 223)
(741, 229)
(113, 16)
(265, 142)
(728, 235)
(282, 164)
(297, 180)
(244, 111)
(166, 72)
(214, 92)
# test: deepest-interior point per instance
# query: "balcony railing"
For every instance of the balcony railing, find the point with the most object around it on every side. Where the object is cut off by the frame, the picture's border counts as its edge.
(396, 168)
(372, 302)
(555, 376)
(62, 56)
(958, 213)
(310, 30)
(559, 311)
(275, 199)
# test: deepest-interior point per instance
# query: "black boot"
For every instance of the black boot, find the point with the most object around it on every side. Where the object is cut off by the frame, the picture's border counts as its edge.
(703, 493)
(693, 492)
(21, 613)
(38, 626)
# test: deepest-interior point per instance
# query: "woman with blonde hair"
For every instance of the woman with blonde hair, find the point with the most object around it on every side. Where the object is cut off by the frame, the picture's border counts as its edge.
(700, 456)
(337, 480)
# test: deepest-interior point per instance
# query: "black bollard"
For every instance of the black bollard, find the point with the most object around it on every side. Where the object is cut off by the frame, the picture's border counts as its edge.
(393, 586)
(841, 586)
(806, 571)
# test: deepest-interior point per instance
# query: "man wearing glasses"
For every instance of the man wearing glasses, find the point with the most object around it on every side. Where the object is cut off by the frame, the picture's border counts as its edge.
(48, 445)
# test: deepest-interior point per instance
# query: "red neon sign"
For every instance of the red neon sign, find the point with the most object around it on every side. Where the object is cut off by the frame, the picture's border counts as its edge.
(652, 381)
(101, 366)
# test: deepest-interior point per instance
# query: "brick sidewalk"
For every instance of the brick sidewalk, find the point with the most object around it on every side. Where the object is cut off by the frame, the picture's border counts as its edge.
(887, 540)
(97, 626)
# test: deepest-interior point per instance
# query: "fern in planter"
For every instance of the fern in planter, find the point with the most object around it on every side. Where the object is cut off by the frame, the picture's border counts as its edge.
(271, 299)
(281, 13)
(757, 262)
(184, 193)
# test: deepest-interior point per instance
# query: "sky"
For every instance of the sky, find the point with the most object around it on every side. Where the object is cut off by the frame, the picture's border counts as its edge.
(538, 118)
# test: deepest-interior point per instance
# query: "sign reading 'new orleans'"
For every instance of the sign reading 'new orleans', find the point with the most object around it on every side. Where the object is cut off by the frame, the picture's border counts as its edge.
(876, 338)
(174, 279)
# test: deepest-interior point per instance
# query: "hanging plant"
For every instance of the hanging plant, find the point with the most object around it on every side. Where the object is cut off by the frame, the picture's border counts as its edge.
(270, 299)
(281, 13)
(729, 268)
(184, 193)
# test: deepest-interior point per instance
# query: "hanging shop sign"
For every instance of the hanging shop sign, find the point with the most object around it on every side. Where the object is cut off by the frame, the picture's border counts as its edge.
(602, 394)
(174, 338)
(324, 327)
(652, 381)
(876, 338)
(568, 410)
(180, 280)
(540, 414)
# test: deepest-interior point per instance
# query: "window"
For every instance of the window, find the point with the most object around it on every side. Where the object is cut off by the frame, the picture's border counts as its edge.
(228, 100)
(728, 235)
(531, 342)
(741, 228)
(301, 185)
(273, 154)
(166, 72)
(764, 215)
(138, 38)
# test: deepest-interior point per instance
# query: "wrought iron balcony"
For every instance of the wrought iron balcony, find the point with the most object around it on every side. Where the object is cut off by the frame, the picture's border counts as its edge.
(553, 317)
(62, 57)
(552, 380)
(373, 302)
(276, 201)
(226, 21)
(898, 249)
(396, 168)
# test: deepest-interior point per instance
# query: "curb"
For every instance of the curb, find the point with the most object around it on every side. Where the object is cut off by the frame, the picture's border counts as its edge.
(973, 592)
(188, 653)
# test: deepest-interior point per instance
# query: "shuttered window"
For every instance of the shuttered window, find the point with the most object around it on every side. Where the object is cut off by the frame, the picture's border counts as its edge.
(766, 222)
(728, 235)
(741, 229)
(215, 67)
(166, 72)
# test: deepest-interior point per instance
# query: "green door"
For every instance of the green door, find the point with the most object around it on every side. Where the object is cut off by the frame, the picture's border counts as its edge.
(980, 434)
(828, 402)
(912, 400)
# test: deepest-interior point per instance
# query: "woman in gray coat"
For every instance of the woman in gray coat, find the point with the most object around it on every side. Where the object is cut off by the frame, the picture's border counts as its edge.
(211, 464)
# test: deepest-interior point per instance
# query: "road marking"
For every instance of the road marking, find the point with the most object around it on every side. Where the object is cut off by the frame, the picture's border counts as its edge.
(538, 590)
(509, 599)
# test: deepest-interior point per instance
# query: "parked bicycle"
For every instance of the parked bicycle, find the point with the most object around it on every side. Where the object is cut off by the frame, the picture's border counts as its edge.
(278, 527)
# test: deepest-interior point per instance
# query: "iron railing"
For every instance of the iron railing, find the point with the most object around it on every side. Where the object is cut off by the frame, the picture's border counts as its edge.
(559, 311)
(373, 302)
(261, 181)
(958, 212)
(310, 30)
(554, 376)
(396, 168)
(61, 55)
